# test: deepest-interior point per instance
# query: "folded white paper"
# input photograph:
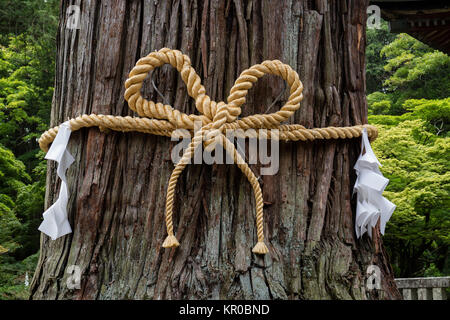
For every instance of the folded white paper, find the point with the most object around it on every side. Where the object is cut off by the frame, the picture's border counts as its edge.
(55, 222)
(371, 205)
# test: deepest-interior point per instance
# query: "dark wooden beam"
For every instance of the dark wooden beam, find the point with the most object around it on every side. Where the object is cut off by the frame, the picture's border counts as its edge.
(409, 5)
(427, 21)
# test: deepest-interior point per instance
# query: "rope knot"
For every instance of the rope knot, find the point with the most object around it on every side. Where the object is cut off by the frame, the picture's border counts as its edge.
(214, 116)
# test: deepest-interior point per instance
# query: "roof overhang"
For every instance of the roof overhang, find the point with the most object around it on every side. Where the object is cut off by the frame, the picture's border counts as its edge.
(427, 21)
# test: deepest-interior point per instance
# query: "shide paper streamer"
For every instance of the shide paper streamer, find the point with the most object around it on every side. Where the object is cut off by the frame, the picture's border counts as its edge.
(55, 222)
(371, 205)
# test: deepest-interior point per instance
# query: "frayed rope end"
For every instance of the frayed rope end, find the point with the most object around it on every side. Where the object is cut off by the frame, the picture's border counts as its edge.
(260, 248)
(170, 242)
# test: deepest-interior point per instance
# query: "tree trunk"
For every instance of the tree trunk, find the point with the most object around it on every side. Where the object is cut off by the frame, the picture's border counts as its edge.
(118, 181)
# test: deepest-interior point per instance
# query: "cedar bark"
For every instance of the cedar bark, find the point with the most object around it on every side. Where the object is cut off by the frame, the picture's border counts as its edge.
(118, 180)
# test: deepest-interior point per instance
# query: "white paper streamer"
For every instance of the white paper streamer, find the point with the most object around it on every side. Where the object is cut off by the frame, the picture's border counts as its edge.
(55, 222)
(370, 184)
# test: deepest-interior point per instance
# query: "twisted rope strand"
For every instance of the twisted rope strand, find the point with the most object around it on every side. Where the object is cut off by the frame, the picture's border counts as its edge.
(216, 118)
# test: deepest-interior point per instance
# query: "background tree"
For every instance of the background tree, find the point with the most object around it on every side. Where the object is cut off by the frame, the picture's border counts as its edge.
(118, 180)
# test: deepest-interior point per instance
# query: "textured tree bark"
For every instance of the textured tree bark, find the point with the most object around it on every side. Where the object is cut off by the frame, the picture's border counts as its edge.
(118, 181)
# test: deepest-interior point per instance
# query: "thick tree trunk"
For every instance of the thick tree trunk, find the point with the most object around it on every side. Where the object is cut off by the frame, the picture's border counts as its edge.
(118, 181)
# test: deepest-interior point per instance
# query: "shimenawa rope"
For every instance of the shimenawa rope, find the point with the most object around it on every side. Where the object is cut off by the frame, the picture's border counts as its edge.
(216, 117)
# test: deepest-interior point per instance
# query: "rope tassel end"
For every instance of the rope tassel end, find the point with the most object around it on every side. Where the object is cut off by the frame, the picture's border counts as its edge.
(170, 242)
(260, 248)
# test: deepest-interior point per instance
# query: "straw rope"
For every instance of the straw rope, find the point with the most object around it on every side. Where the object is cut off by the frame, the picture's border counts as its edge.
(216, 118)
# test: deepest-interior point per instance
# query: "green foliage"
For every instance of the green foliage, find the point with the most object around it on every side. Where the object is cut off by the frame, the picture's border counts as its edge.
(375, 73)
(27, 54)
(379, 103)
(21, 204)
(25, 97)
(36, 18)
(12, 276)
(412, 70)
(410, 105)
(417, 162)
(25, 100)
(436, 113)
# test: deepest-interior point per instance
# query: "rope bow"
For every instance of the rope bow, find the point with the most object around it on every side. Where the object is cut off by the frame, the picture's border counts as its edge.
(216, 117)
